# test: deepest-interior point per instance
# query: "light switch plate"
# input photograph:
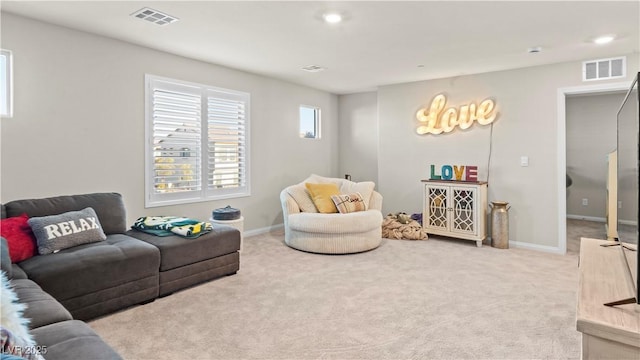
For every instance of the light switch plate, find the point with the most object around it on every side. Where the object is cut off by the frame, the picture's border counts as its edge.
(524, 161)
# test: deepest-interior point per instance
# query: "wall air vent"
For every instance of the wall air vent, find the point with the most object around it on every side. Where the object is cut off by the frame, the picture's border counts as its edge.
(601, 69)
(154, 16)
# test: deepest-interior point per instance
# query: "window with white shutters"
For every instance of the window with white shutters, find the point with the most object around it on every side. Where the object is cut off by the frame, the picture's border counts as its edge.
(227, 140)
(197, 142)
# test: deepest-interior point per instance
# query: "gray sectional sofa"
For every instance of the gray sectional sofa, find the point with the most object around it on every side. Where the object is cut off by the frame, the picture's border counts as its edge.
(52, 326)
(129, 267)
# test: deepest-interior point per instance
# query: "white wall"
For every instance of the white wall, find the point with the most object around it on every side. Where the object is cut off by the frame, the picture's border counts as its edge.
(358, 133)
(527, 126)
(79, 127)
(79, 122)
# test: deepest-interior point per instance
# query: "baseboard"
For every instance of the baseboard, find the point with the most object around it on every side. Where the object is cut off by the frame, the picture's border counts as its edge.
(628, 222)
(536, 247)
(262, 230)
(599, 219)
(515, 244)
(588, 218)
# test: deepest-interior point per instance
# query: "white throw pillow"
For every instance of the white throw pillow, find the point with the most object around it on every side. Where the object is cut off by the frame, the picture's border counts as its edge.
(11, 320)
(301, 196)
(365, 188)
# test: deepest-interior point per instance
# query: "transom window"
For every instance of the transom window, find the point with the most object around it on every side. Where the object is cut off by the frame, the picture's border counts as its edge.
(197, 142)
(6, 80)
(309, 122)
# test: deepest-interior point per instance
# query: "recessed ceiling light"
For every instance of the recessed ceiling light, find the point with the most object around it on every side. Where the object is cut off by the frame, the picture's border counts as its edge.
(313, 68)
(535, 49)
(332, 18)
(603, 39)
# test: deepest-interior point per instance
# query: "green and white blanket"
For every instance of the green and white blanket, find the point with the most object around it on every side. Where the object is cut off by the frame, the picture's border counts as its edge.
(172, 225)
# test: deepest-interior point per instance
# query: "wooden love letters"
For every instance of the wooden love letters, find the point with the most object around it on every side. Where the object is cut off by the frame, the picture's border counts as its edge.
(455, 172)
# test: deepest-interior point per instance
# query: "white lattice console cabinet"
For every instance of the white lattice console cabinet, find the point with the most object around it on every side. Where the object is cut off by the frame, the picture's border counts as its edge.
(455, 208)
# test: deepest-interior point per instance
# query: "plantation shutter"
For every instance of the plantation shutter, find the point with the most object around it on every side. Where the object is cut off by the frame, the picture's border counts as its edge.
(177, 135)
(197, 142)
(227, 140)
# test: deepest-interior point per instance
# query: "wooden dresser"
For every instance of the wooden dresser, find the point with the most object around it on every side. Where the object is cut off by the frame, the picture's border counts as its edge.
(607, 332)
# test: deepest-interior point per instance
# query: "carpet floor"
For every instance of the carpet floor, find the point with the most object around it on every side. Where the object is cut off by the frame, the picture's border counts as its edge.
(577, 229)
(433, 299)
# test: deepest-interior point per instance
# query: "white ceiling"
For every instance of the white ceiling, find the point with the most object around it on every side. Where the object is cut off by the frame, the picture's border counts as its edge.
(380, 43)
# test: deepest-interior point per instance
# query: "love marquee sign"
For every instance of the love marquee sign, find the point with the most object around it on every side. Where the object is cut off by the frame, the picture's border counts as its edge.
(436, 120)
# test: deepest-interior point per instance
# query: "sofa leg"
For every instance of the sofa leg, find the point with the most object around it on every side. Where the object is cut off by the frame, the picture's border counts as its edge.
(148, 301)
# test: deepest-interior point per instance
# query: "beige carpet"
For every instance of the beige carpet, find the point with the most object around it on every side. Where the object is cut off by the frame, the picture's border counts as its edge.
(577, 229)
(434, 299)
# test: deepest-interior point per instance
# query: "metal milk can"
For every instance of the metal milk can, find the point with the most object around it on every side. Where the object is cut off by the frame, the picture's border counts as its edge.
(500, 224)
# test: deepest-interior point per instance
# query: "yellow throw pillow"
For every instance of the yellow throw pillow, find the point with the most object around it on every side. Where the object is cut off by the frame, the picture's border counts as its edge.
(321, 196)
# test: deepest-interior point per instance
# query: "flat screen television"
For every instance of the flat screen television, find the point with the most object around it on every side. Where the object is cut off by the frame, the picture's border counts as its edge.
(628, 146)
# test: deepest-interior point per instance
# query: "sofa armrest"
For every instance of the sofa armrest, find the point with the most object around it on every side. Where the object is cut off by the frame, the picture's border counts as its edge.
(289, 206)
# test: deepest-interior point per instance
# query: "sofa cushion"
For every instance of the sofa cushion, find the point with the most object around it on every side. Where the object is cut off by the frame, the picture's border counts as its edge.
(348, 203)
(5, 259)
(72, 339)
(301, 196)
(89, 268)
(177, 251)
(318, 179)
(14, 347)
(41, 308)
(13, 323)
(20, 239)
(17, 272)
(108, 206)
(69, 229)
(365, 188)
(321, 196)
(356, 222)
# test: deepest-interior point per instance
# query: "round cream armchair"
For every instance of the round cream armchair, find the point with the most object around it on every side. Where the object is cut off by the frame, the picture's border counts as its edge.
(308, 230)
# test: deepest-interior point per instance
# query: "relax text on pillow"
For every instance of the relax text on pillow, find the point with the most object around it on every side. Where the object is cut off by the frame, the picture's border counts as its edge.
(69, 227)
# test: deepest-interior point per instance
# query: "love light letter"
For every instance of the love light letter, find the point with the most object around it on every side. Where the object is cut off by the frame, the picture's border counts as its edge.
(437, 120)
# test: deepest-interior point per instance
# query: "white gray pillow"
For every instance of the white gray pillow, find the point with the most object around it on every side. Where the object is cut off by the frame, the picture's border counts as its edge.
(56, 232)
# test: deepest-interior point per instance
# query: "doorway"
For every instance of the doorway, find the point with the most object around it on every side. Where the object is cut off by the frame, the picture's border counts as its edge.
(563, 95)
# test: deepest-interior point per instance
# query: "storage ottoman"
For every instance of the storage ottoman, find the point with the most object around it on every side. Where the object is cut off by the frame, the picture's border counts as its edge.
(186, 262)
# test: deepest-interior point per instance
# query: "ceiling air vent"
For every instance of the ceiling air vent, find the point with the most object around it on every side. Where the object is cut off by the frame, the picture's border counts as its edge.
(601, 69)
(154, 16)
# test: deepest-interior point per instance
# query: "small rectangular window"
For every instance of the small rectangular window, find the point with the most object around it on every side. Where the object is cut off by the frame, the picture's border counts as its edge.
(309, 122)
(6, 82)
